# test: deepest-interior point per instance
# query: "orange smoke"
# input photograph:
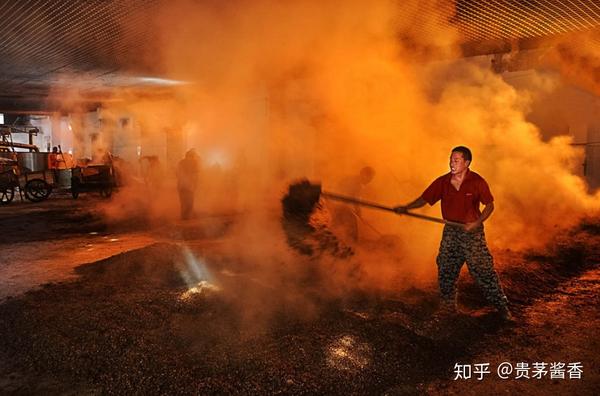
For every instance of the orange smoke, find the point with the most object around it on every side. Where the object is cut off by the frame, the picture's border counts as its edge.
(577, 58)
(282, 90)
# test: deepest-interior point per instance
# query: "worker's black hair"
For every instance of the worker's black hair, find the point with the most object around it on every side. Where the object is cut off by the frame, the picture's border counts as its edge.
(464, 151)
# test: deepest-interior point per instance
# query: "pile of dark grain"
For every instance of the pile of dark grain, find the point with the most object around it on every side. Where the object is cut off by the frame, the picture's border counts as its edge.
(121, 329)
(308, 237)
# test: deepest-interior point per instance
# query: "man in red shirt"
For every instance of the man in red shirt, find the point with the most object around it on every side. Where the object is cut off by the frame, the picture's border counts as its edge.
(461, 192)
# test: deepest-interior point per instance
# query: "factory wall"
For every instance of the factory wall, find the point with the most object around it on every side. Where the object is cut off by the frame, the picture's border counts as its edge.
(559, 108)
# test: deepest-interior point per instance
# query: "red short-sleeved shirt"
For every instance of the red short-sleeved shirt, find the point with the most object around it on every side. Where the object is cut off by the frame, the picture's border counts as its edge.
(463, 205)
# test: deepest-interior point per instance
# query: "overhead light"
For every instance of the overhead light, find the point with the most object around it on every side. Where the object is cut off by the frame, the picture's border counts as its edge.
(160, 81)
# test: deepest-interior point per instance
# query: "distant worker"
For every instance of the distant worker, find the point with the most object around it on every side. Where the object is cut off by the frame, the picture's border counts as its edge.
(152, 171)
(187, 181)
(345, 219)
(53, 158)
(54, 162)
(461, 191)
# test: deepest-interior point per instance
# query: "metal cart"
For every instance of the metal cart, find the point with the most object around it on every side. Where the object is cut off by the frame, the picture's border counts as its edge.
(99, 178)
(23, 171)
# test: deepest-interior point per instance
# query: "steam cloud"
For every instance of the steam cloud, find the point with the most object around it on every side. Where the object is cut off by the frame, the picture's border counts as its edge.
(283, 90)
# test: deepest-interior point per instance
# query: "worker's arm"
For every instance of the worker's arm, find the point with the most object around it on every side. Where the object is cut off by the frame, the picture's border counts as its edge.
(417, 203)
(487, 212)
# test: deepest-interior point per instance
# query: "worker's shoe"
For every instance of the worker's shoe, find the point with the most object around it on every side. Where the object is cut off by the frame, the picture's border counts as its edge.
(506, 315)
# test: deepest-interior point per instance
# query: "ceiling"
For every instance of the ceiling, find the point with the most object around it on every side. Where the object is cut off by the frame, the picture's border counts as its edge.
(44, 43)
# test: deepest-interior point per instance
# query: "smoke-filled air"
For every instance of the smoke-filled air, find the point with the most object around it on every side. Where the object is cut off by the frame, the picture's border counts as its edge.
(274, 91)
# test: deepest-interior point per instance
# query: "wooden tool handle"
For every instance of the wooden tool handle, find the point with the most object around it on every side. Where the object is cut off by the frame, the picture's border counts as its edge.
(344, 198)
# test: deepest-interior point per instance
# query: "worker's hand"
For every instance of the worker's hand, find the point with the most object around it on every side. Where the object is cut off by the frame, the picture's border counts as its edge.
(400, 209)
(470, 227)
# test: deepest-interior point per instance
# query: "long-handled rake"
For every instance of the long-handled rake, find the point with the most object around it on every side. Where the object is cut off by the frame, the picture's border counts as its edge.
(352, 200)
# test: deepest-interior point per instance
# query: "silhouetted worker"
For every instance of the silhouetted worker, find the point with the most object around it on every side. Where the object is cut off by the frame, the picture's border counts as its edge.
(461, 191)
(53, 158)
(345, 218)
(54, 163)
(187, 181)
